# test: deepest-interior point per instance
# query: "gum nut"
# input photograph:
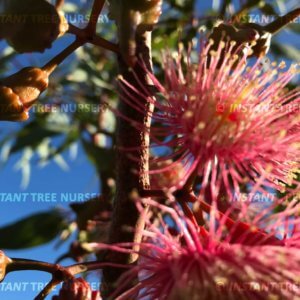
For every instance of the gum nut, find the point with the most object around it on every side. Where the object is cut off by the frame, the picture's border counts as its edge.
(4, 261)
(28, 84)
(11, 107)
(38, 30)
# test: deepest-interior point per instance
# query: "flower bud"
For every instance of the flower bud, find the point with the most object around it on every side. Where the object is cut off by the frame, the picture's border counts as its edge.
(4, 261)
(38, 25)
(19, 92)
(63, 24)
(167, 178)
(77, 289)
(263, 43)
(240, 39)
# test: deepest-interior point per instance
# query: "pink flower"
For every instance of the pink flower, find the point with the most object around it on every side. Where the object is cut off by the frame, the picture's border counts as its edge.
(77, 289)
(215, 261)
(231, 125)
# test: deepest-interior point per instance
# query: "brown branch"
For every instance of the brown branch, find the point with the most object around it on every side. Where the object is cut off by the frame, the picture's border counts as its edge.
(99, 41)
(20, 264)
(59, 273)
(81, 33)
(282, 21)
(48, 288)
(131, 174)
(93, 39)
(58, 59)
(96, 10)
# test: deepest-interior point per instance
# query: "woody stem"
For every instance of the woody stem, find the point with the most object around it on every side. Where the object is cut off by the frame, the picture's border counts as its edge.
(96, 10)
(131, 173)
(58, 59)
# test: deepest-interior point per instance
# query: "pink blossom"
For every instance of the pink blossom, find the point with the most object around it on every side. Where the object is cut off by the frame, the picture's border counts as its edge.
(214, 261)
(77, 289)
(230, 123)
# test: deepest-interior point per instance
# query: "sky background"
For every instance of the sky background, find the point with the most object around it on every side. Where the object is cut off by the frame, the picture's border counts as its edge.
(80, 178)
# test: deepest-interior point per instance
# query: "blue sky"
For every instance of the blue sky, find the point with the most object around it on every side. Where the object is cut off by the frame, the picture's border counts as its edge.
(80, 178)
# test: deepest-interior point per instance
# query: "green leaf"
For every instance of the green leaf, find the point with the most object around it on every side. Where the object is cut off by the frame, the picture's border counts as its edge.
(70, 8)
(32, 231)
(71, 137)
(287, 50)
(32, 134)
(79, 75)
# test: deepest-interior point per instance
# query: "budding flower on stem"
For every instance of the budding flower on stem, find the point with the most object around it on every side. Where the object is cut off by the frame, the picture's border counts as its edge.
(243, 40)
(250, 35)
(39, 25)
(20, 91)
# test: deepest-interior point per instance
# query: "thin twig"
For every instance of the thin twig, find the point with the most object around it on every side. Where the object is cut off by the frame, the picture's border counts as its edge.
(80, 33)
(99, 41)
(59, 273)
(20, 264)
(94, 40)
(96, 10)
(282, 21)
(50, 66)
(47, 289)
(66, 273)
